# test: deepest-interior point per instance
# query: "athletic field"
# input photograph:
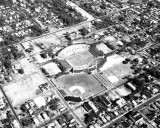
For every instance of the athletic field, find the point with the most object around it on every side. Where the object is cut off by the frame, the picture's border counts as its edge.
(80, 59)
(80, 84)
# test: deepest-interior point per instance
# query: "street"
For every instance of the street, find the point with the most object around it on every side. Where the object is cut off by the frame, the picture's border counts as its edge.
(8, 101)
(138, 108)
(56, 91)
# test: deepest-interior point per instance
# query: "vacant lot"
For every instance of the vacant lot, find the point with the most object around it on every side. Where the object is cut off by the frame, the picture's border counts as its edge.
(80, 113)
(115, 67)
(80, 84)
(24, 86)
(80, 59)
(28, 68)
(119, 70)
(23, 90)
(49, 41)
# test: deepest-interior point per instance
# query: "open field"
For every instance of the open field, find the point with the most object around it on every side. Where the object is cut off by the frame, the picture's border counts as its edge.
(114, 68)
(119, 71)
(41, 60)
(80, 59)
(80, 112)
(112, 72)
(81, 84)
(24, 86)
(49, 41)
(23, 90)
(28, 68)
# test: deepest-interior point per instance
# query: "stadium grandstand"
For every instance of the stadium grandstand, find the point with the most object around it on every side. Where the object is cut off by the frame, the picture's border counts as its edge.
(77, 56)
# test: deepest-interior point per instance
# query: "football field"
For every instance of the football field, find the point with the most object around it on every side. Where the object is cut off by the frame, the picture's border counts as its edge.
(80, 59)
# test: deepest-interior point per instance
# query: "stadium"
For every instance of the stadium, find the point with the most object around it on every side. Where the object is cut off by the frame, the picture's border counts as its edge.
(77, 57)
(79, 85)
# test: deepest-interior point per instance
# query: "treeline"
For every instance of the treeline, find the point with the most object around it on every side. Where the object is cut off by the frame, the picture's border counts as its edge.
(8, 54)
(88, 7)
(104, 23)
(66, 14)
(6, 2)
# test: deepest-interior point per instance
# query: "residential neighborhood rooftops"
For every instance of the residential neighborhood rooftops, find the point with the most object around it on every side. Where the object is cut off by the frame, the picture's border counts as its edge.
(79, 64)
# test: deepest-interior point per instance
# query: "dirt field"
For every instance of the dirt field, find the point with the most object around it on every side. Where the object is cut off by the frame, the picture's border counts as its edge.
(80, 113)
(48, 41)
(86, 85)
(24, 86)
(115, 67)
(80, 59)
(119, 71)
(23, 90)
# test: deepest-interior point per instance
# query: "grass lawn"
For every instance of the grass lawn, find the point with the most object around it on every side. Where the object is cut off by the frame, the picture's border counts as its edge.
(80, 59)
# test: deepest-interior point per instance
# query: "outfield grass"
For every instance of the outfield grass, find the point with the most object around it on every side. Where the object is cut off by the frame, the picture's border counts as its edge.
(87, 82)
(80, 59)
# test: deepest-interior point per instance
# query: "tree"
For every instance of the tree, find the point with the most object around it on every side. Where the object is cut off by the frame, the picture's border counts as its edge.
(26, 121)
(150, 115)
(14, 52)
(6, 2)
(67, 36)
(22, 16)
(2, 21)
(67, 116)
(43, 55)
(66, 14)
(9, 115)
(103, 5)
(23, 108)
(50, 52)
(7, 64)
(157, 120)
(53, 104)
(36, 30)
(153, 71)
(53, 107)
(83, 31)
(87, 119)
(21, 71)
(44, 71)
(121, 18)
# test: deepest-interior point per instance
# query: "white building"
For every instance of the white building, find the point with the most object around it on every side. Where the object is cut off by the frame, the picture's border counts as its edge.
(93, 106)
(121, 102)
(40, 101)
